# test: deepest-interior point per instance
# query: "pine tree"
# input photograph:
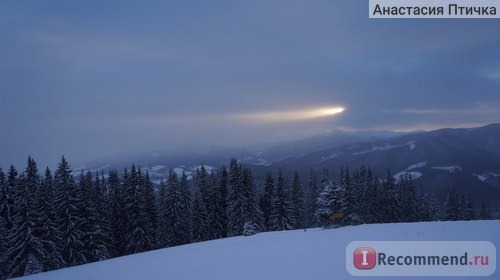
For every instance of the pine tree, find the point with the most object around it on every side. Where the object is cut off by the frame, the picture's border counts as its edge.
(135, 236)
(163, 238)
(101, 189)
(369, 205)
(485, 211)
(390, 203)
(428, 207)
(249, 229)
(281, 206)
(328, 203)
(219, 221)
(67, 203)
(94, 236)
(47, 228)
(235, 201)
(200, 218)
(7, 194)
(468, 213)
(252, 211)
(3, 248)
(452, 206)
(298, 201)
(359, 182)
(5, 206)
(408, 200)
(186, 208)
(117, 215)
(266, 199)
(311, 202)
(140, 211)
(348, 199)
(150, 211)
(26, 251)
(174, 226)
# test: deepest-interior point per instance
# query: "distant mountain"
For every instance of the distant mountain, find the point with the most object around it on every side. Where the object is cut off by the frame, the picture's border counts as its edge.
(157, 163)
(278, 152)
(466, 159)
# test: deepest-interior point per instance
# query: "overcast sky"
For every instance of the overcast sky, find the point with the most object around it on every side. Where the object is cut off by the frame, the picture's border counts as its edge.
(94, 78)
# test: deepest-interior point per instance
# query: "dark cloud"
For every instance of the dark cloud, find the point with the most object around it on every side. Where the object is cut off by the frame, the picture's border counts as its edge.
(92, 78)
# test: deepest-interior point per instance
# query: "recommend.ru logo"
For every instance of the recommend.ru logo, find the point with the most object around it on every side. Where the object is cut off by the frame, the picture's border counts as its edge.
(421, 258)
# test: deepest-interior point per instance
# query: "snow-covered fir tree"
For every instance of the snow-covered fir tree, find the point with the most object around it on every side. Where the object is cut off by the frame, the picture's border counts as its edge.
(3, 248)
(452, 206)
(298, 210)
(117, 214)
(26, 252)
(163, 235)
(139, 203)
(235, 201)
(328, 204)
(281, 206)
(200, 218)
(253, 213)
(186, 211)
(369, 203)
(408, 199)
(94, 238)
(174, 227)
(466, 208)
(266, 200)
(67, 202)
(390, 205)
(47, 229)
(7, 196)
(485, 211)
(312, 196)
(219, 220)
(249, 228)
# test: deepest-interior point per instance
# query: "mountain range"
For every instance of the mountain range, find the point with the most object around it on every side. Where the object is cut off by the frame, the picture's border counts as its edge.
(467, 159)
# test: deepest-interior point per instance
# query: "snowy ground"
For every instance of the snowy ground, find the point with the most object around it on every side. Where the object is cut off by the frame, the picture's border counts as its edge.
(312, 254)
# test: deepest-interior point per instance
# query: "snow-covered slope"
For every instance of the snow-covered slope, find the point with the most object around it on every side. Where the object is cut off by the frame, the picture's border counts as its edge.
(312, 254)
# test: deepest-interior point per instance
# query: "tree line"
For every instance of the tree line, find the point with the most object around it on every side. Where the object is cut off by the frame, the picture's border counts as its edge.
(55, 220)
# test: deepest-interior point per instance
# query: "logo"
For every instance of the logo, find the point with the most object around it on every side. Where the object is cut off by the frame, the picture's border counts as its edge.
(365, 258)
(421, 258)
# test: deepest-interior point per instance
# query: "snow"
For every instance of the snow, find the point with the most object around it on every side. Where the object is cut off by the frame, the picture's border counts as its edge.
(387, 146)
(157, 168)
(263, 162)
(377, 149)
(450, 169)
(481, 177)
(179, 170)
(312, 254)
(332, 156)
(417, 165)
(414, 174)
(208, 168)
(412, 145)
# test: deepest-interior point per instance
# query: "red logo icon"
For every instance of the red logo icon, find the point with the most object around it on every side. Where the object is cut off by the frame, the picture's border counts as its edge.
(365, 258)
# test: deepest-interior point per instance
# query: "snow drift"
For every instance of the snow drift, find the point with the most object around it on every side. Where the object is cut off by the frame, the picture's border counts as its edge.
(312, 254)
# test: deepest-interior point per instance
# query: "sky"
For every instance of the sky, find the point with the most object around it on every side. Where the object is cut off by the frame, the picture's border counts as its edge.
(89, 79)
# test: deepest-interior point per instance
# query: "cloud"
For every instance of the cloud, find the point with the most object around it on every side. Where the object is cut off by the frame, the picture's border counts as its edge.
(289, 116)
(493, 74)
(479, 110)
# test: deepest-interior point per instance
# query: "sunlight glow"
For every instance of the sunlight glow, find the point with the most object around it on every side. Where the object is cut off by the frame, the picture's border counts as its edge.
(287, 116)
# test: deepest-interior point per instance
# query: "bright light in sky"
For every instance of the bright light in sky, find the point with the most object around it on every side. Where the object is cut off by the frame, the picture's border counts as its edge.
(292, 115)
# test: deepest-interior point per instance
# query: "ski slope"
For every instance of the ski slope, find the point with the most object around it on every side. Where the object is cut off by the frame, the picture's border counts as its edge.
(312, 254)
